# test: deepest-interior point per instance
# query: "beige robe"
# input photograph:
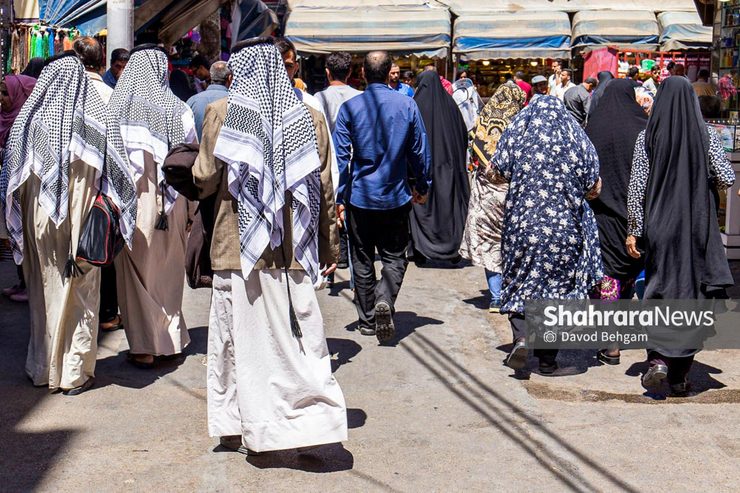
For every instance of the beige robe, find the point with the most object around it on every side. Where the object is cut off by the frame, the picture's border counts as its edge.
(151, 276)
(63, 312)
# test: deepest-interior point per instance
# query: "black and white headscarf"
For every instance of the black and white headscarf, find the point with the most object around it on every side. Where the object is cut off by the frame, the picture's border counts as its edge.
(62, 121)
(144, 115)
(269, 143)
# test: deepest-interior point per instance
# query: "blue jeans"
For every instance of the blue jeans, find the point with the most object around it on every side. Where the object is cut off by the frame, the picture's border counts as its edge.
(494, 284)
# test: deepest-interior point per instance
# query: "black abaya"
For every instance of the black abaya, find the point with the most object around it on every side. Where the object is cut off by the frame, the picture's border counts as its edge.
(613, 128)
(437, 227)
(605, 77)
(684, 254)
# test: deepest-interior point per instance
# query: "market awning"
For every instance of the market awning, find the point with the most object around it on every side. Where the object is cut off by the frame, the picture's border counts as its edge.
(89, 16)
(465, 7)
(357, 26)
(512, 35)
(623, 28)
(683, 31)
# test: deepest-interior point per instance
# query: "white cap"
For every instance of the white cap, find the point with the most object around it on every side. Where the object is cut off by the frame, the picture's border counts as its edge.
(538, 78)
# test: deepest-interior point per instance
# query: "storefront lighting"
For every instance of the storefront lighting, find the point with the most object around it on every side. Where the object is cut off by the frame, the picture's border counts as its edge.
(534, 63)
(486, 63)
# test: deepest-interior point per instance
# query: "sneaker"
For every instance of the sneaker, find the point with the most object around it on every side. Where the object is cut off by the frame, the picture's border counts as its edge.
(495, 306)
(384, 328)
(517, 358)
(654, 376)
(20, 297)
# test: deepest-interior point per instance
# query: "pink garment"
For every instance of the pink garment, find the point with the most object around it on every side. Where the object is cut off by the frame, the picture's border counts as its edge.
(447, 85)
(19, 88)
(727, 87)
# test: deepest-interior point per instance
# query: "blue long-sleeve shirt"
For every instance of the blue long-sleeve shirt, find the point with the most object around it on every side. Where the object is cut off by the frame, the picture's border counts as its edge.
(380, 140)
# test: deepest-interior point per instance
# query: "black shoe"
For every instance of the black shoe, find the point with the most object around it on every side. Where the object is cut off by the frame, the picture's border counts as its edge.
(547, 369)
(681, 390)
(654, 376)
(606, 359)
(384, 328)
(78, 390)
(367, 331)
(517, 358)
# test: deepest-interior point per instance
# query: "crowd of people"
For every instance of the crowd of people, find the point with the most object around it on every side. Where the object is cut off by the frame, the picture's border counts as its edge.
(575, 190)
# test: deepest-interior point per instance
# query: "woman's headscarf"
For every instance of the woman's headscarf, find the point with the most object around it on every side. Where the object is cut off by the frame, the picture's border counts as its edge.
(550, 239)
(19, 87)
(604, 78)
(496, 115)
(34, 67)
(613, 129)
(62, 121)
(437, 226)
(269, 143)
(144, 116)
(180, 85)
(684, 255)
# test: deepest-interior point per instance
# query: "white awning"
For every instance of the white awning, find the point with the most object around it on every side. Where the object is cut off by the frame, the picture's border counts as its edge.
(356, 26)
(464, 7)
(625, 28)
(683, 31)
(512, 35)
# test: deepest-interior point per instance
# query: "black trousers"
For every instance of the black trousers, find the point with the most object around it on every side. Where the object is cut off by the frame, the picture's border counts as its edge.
(387, 232)
(108, 294)
(519, 330)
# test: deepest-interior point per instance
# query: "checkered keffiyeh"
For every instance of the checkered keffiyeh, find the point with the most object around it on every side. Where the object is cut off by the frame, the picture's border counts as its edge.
(62, 121)
(144, 115)
(269, 144)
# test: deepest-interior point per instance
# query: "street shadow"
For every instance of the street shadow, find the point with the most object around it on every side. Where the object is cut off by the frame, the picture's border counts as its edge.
(322, 459)
(27, 456)
(406, 324)
(198, 341)
(481, 302)
(342, 351)
(338, 286)
(513, 421)
(700, 378)
(356, 418)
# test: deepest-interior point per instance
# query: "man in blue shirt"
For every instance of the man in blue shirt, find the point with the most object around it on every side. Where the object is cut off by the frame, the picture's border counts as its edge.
(118, 61)
(396, 84)
(220, 81)
(380, 139)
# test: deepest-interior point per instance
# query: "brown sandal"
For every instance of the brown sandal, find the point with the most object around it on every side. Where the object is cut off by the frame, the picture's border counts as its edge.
(113, 325)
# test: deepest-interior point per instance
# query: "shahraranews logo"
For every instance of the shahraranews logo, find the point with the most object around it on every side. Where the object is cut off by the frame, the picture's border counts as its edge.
(560, 316)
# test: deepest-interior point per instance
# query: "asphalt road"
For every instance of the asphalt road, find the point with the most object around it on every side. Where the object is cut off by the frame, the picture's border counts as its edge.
(435, 412)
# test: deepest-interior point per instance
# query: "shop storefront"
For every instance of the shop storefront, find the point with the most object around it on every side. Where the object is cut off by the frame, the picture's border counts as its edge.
(489, 48)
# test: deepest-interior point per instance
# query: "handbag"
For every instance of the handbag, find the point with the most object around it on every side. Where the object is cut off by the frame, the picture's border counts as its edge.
(101, 239)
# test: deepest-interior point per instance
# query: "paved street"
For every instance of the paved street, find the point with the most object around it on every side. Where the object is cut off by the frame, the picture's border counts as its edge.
(437, 412)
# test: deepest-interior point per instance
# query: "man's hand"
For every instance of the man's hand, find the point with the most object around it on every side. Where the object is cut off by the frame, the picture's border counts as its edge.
(631, 245)
(341, 215)
(329, 270)
(419, 199)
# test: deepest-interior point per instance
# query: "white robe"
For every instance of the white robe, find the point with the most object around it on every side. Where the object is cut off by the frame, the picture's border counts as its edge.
(276, 391)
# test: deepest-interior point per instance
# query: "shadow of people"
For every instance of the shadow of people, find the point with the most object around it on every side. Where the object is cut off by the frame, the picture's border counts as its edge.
(700, 377)
(342, 351)
(406, 324)
(198, 341)
(116, 370)
(338, 287)
(28, 453)
(322, 459)
(482, 302)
